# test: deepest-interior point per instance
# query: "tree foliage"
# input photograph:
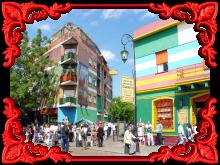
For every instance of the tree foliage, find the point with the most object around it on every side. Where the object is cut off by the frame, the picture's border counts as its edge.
(121, 110)
(31, 85)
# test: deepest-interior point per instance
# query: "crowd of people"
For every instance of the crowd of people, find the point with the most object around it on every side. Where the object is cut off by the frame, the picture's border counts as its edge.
(87, 135)
(61, 134)
(183, 135)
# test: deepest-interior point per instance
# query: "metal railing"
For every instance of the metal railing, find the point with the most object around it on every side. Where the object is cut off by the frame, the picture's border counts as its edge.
(67, 100)
(69, 55)
(67, 77)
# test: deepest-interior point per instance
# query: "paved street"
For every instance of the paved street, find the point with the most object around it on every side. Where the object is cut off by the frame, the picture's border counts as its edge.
(110, 148)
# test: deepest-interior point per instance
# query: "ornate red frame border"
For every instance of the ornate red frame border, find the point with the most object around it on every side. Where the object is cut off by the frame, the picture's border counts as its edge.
(202, 150)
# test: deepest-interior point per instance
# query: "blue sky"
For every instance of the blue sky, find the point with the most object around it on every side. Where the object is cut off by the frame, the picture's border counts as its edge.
(105, 27)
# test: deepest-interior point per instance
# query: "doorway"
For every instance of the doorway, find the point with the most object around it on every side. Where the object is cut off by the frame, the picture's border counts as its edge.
(198, 102)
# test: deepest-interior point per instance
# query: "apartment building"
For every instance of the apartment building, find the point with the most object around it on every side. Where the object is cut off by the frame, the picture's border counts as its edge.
(85, 85)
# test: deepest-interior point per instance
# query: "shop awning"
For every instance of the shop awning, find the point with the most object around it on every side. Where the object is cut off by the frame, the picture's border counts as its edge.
(52, 111)
(203, 98)
(84, 121)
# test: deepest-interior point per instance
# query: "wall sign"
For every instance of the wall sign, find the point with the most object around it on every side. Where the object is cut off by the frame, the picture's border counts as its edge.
(183, 116)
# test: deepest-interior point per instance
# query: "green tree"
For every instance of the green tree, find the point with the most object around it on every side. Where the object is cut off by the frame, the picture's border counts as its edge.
(31, 85)
(121, 110)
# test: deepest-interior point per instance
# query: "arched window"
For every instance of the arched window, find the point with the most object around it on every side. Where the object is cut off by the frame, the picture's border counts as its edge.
(163, 111)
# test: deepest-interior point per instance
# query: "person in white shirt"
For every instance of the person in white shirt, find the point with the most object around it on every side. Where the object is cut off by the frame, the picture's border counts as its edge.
(130, 146)
(113, 131)
(181, 134)
(105, 130)
(150, 139)
(159, 129)
(47, 135)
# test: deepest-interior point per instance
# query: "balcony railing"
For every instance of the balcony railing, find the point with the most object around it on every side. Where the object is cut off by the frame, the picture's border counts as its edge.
(68, 79)
(189, 72)
(68, 101)
(69, 58)
(99, 91)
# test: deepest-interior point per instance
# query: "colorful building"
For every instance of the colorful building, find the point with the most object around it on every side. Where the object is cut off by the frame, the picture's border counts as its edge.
(85, 85)
(172, 80)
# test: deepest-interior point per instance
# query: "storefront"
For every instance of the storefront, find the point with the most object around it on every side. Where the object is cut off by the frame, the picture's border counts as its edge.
(47, 115)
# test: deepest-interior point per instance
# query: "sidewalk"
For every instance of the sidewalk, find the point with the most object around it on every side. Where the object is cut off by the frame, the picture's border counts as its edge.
(117, 147)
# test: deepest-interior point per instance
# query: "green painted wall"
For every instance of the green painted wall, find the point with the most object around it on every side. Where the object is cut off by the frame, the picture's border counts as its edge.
(86, 114)
(157, 42)
(144, 106)
(144, 110)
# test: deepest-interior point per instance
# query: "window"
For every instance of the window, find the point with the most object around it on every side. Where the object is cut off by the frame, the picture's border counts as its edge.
(164, 113)
(70, 50)
(94, 100)
(94, 82)
(90, 61)
(162, 61)
(162, 68)
(90, 79)
(90, 98)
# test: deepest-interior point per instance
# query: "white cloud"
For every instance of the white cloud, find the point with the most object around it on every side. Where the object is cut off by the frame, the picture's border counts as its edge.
(112, 13)
(108, 55)
(85, 12)
(148, 14)
(94, 23)
(117, 13)
(46, 27)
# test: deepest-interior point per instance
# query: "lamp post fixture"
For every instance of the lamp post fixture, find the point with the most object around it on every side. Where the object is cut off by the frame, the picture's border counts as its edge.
(126, 38)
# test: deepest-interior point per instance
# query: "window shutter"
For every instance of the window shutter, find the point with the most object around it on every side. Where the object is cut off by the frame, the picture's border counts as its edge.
(161, 57)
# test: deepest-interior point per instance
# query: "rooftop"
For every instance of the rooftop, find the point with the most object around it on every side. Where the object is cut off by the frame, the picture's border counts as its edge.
(154, 27)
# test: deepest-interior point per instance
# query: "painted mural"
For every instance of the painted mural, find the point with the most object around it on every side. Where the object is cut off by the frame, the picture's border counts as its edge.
(83, 85)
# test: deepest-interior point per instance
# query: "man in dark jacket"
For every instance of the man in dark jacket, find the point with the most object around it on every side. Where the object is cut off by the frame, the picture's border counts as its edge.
(100, 134)
(65, 138)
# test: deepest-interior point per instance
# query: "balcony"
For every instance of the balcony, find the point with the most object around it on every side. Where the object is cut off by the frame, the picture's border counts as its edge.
(68, 102)
(68, 79)
(192, 73)
(69, 58)
(99, 91)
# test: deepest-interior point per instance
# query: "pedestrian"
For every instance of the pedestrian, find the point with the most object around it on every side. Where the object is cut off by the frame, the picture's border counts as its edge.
(113, 131)
(55, 138)
(27, 134)
(130, 146)
(105, 130)
(78, 137)
(65, 138)
(32, 137)
(74, 132)
(94, 137)
(159, 129)
(150, 139)
(70, 133)
(100, 135)
(194, 130)
(181, 134)
(47, 135)
(84, 130)
(189, 132)
(109, 129)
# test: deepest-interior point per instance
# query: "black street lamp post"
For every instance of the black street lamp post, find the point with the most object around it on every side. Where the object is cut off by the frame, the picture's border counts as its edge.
(124, 55)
